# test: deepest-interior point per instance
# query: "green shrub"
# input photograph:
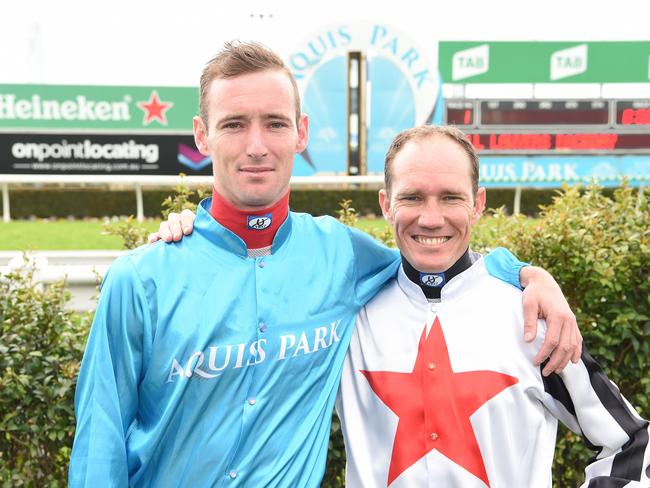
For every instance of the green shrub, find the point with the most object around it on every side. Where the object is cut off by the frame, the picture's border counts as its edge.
(182, 198)
(41, 345)
(335, 471)
(132, 232)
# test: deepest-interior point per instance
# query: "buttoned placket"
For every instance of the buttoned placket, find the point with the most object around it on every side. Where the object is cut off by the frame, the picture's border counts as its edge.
(432, 432)
(261, 329)
(251, 402)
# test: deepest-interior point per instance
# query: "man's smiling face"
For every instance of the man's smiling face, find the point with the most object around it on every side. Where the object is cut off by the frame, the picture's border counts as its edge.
(431, 204)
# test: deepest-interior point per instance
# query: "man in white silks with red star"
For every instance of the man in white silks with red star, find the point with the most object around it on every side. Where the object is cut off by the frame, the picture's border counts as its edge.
(423, 401)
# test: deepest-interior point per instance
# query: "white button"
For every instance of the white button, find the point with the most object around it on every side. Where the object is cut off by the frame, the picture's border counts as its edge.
(434, 436)
(232, 474)
(431, 366)
(260, 263)
(263, 327)
(252, 401)
(434, 307)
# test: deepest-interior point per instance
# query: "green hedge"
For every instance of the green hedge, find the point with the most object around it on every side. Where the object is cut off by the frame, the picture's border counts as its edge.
(597, 246)
(64, 203)
(41, 344)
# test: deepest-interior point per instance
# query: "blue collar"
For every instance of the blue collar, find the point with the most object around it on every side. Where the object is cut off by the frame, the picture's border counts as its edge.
(432, 283)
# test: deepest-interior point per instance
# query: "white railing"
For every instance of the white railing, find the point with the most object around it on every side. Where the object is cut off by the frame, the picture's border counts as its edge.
(82, 271)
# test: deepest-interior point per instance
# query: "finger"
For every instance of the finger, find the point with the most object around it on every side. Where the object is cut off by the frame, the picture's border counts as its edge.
(551, 340)
(577, 353)
(531, 311)
(553, 361)
(170, 230)
(563, 352)
(175, 226)
(153, 237)
(164, 232)
(187, 221)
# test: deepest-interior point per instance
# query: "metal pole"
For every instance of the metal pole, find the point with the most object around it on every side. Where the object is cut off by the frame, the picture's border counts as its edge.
(6, 214)
(517, 204)
(138, 199)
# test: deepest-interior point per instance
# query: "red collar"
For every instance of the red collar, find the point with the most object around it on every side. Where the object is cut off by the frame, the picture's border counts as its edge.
(256, 228)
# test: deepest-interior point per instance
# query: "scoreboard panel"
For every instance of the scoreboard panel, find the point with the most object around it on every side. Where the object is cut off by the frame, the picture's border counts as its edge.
(553, 126)
(633, 113)
(544, 112)
(560, 141)
(460, 113)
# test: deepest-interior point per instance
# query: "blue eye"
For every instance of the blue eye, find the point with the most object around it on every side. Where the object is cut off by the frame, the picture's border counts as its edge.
(232, 125)
(278, 125)
(409, 198)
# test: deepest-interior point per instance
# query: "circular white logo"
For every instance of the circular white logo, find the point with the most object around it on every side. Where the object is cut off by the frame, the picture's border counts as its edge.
(259, 222)
(431, 280)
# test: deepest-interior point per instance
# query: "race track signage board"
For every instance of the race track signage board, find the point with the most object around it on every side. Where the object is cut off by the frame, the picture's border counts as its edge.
(95, 154)
(541, 142)
(509, 171)
(94, 130)
(544, 62)
(97, 108)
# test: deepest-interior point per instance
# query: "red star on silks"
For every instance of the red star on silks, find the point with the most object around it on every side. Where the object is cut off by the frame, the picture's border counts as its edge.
(434, 406)
(154, 109)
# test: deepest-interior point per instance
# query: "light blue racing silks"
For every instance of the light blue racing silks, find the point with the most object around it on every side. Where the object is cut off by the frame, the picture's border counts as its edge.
(207, 368)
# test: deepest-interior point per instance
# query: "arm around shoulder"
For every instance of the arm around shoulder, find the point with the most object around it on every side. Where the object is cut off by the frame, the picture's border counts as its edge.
(504, 265)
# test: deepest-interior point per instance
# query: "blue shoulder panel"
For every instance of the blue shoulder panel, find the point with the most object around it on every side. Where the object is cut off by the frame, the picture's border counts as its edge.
(502, 264)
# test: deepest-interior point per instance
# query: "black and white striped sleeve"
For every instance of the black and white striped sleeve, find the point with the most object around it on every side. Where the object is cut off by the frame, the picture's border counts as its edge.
(587, 402)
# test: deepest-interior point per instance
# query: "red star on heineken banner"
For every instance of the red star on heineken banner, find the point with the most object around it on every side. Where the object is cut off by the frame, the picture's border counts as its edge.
(434, 405)
(154, 109)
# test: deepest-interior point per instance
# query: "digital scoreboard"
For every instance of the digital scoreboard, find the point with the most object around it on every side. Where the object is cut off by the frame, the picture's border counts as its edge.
(553, 126)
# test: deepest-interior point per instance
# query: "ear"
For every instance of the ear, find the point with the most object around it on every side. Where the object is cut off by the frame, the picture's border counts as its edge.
(479, 205)
(200, 135)
(303, 133)
(384, 203)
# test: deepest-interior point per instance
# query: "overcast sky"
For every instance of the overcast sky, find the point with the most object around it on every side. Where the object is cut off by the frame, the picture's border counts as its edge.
(146, 42)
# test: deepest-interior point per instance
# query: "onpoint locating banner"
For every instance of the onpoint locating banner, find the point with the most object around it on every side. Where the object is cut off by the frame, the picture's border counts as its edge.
(101, 154)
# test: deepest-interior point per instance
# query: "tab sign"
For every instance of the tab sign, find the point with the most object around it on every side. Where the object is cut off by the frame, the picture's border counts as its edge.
(471, 62)
(569, 62)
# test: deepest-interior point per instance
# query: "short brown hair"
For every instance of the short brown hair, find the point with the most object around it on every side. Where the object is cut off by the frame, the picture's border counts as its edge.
(423, 131)
(238, 58)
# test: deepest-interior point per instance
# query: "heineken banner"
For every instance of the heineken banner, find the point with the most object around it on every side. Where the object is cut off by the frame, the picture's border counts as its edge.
(103, 108)
(101, 154)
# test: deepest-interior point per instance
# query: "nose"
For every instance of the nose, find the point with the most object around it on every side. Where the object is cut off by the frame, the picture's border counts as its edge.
(256, 145)
(431, 215)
